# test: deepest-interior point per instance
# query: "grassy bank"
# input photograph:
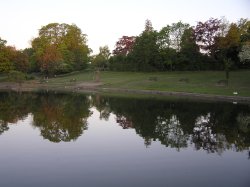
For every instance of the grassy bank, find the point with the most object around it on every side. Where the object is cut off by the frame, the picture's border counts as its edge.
(209, 82)
(206, 82)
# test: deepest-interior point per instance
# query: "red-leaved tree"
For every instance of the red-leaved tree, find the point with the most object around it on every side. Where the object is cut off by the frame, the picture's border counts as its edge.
(124, 45)
(206, 34)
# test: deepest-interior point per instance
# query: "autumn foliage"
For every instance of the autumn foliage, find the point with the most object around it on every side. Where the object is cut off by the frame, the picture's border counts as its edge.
(124, 45)
(62, 48)
(206, 33)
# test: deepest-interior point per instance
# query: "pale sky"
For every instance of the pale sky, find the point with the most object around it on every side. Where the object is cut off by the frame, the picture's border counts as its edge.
(105, 21)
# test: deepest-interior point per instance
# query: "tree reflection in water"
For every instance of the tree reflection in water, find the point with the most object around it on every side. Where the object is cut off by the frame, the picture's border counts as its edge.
(61, 117)
(3, 127)
(12, 108)
(213, 127)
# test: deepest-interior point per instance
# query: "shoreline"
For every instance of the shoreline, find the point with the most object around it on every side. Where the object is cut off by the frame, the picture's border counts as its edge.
(97, 89)
(182, 95)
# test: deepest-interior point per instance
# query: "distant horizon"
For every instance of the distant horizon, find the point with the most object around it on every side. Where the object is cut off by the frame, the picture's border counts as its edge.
(104, 22)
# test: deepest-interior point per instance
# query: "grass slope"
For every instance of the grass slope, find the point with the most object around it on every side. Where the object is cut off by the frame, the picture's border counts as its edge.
(193, 82)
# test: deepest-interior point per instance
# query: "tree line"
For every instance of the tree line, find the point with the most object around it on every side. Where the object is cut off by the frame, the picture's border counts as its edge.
(59, 48)
(214, 44)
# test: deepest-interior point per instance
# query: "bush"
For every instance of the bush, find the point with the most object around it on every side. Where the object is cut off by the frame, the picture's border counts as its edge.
(29, 77)
(16, 76)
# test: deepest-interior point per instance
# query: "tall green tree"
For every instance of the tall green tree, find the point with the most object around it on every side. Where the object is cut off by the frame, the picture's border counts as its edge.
(76, 47)
(189, 56)
(164, 38)
(32, 65)
(188, 42)
(60, 48)
(101, 60)
(177, 30)
(167, 53)
(21, 61)
(5, 57)
(145, 53)
(228, 47)
(148, 26)
(2, 42)
(12, 59)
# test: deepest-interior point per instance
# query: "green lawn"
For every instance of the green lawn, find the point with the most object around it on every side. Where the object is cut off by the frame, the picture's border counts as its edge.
(195, 82)
(3, 77)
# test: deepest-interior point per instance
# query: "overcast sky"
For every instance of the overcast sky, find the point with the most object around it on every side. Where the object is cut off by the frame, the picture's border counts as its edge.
(104, 21)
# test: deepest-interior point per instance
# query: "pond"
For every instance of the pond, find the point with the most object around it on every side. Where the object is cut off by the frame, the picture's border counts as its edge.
(60, 139)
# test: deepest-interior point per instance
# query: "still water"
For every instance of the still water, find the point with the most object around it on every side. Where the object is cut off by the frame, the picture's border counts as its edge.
(49, 139)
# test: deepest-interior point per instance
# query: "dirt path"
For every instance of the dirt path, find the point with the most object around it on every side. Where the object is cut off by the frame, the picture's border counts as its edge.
(90, 85)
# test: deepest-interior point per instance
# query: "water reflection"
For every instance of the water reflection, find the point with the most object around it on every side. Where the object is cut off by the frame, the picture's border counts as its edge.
(61, 117)
(12, 108)
(214, 127)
